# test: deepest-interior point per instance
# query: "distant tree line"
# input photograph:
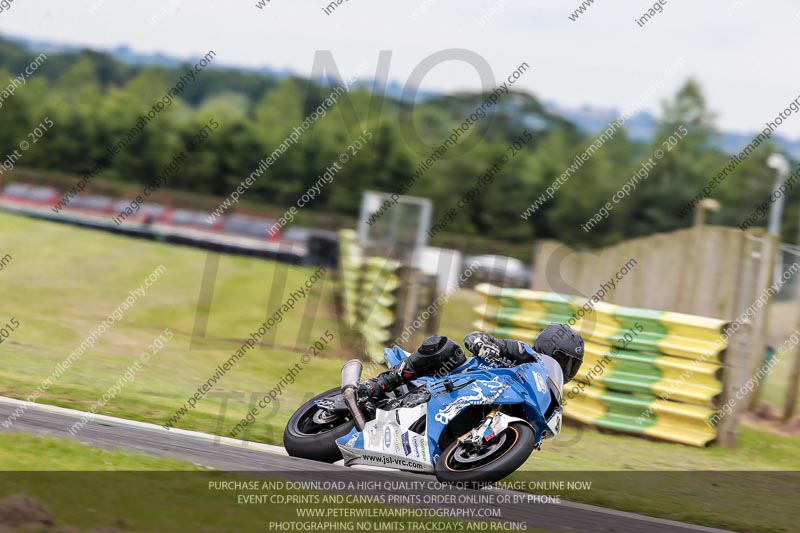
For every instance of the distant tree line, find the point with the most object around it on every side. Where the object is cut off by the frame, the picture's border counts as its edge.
(94, 100)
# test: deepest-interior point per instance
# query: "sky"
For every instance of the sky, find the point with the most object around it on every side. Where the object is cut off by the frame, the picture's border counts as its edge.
(741, 51)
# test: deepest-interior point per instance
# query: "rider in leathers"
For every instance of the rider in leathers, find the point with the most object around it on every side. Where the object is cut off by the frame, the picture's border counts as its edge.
(437, 356)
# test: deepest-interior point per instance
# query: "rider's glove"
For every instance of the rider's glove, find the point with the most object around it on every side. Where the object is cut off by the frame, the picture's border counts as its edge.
(503, 353)
(369, 389)
(484, 346)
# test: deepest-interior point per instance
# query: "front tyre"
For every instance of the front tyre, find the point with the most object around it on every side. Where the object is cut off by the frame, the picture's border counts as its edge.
(311, 432)
(507, 451)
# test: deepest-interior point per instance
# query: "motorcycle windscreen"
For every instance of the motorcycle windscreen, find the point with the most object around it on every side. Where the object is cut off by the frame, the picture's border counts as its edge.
(394, 355)
(553, 371)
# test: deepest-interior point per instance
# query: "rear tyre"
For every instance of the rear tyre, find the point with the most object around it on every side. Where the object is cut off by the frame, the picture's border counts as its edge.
(506, 452)
(311, 432)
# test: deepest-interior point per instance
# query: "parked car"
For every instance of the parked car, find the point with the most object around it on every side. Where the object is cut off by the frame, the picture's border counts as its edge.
(498, 270)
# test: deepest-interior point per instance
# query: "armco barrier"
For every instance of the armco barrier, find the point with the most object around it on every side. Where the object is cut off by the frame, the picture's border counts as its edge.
(648, 372)
(174, 234)
(369, 292)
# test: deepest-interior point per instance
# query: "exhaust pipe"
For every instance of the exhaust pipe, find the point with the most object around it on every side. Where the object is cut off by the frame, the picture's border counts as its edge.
(351, 375)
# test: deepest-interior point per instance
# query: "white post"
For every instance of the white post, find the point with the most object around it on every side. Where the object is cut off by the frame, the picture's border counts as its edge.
(778, 162)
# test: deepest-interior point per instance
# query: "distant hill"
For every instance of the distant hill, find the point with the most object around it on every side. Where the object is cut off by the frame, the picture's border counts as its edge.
(642, 127)
(126, 55)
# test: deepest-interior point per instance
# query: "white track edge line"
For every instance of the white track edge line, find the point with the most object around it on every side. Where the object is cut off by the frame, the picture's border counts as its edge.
(250, 445)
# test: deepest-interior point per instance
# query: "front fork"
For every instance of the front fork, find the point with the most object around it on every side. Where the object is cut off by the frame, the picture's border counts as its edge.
(485, 432)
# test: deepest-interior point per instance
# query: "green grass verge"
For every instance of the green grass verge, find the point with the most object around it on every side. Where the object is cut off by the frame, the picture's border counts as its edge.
(739, 501)
(32, 453)
(64, 281)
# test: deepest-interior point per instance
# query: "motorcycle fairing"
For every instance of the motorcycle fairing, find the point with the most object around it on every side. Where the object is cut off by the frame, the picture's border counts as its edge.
(536, 386)
(388, 441)
(476, 383)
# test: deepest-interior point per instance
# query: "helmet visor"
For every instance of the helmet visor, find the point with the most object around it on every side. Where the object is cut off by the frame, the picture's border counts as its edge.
(570, 363)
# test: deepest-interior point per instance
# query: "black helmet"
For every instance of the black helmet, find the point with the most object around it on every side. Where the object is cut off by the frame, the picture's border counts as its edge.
(563, 344)
(436, 354)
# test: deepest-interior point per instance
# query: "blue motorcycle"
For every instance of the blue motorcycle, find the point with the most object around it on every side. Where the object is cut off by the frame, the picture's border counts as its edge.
(477, 424)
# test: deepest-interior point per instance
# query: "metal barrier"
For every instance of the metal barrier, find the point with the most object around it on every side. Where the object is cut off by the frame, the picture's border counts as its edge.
(646, 372)
(218, 242)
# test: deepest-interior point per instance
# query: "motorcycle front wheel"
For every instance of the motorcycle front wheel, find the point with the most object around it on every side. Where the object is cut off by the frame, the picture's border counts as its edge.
(507, 451)
(311, 432)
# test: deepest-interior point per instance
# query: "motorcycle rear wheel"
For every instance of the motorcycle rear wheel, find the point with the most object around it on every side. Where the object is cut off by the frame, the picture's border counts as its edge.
(504, 454)
(311, 432)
